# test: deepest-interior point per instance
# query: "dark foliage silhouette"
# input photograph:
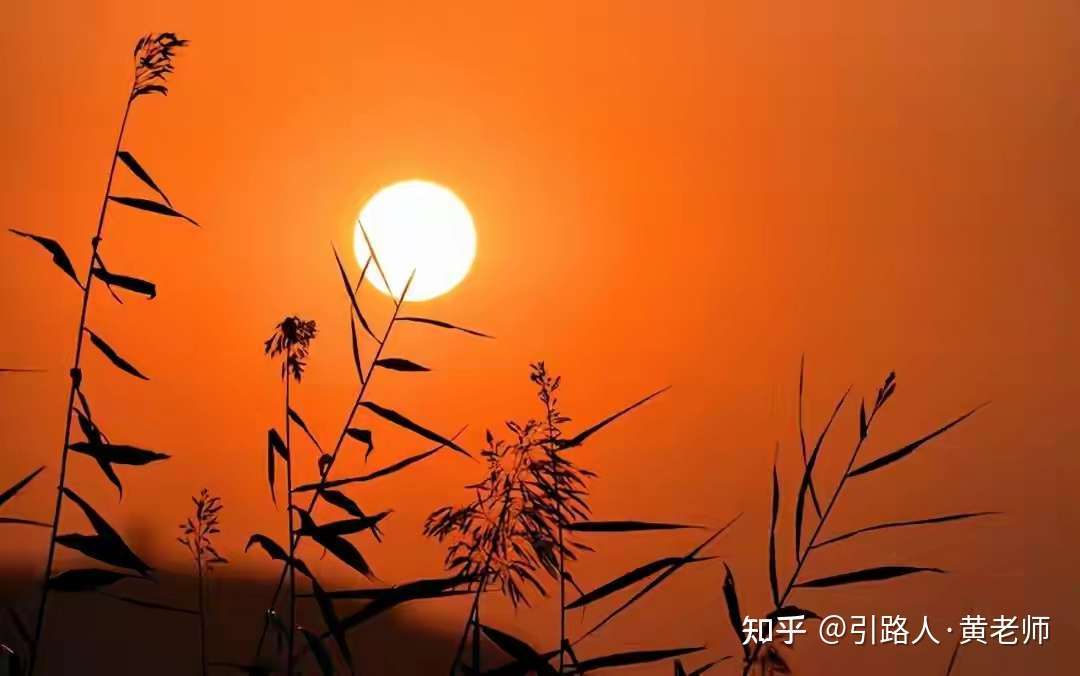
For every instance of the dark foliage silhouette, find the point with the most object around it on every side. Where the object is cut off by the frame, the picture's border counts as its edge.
(197, 535)
(765, 657)
(520, 528)
(153, 62)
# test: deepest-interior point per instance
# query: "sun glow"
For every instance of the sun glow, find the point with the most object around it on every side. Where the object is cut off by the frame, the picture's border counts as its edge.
(421, 226)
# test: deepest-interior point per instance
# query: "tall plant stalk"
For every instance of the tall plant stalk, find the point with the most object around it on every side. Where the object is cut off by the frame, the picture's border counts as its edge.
(366, 375)
(291, 340)
(197, 535)
(153, 62)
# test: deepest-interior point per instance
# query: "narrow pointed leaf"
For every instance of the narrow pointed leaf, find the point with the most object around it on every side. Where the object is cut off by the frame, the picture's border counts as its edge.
(152, 605)
(330, 618)
(402, 421)
(952, 659)
(132, 164)
(383, 600)
(731, 599)
(118, 361)
(364, 437)
(659, 579)
(275, 552)
(326, 665)
(442, 324)
(398, 364)
(151, 206)
(902, 524)
(355, 349)
(792, 611)
(345, 526)
(867, 575)
(348, 505)
(119, 454)
(85, 579)
(623, 526)
(16, 521)
(635, 657)
(19, 485)
(627, 579)
(808, 475)
(107, 546)
(520, 651)
(352, 296)
(295, 417)
(901, 453)
(133, 284)
(582, 436)
(772, 536)
(385, 471)
(59, 256)
(802, 434)
(341, 548)
(864, 428)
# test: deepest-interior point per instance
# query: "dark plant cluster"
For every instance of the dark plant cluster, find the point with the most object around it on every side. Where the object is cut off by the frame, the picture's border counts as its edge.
(526, 523)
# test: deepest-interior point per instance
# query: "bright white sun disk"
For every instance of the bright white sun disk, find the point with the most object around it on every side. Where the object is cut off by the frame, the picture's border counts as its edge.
(421, 226)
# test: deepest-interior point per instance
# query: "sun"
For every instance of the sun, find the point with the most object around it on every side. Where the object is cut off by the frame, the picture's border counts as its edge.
(416, 225)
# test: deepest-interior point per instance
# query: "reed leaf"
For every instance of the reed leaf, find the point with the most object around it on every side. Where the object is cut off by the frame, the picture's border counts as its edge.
(364, 437)
(152, 207)
(731, 600)
(352, 297)
(902, 524)
(808, 474)
(773, 584)
(627, 579)
(106, 546)
(623, 526)
(133, 165)
(399, 364)
(791, 611)
(626, 659)
(275, 552)
(443, 325)
(295, 417)
(85, 579)
(907, 450)
(15, 521)
(385, 471)
(107, 455)
(133, 284)
(152, 605)
(117, 361)
(522, 652)
(659, 579)
(580, 438)
(19, 485)
(402, 421)
(341, 548)
(866, 575)
(59, 256)
(322, 657)
(330, 617)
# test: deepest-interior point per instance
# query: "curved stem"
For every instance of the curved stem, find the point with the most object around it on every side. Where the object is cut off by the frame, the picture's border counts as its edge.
(76, 379)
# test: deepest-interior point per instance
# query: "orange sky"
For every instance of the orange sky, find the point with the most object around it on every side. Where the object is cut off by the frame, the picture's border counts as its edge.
(688, 196)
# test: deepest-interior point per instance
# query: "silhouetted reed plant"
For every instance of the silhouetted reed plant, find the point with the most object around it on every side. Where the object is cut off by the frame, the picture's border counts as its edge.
(153, 62)
(197, 536)
(331, 535)
(519, 528)
(812, 512)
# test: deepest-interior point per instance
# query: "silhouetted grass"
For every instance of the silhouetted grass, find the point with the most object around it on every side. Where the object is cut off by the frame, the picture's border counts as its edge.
(519, 528)
(197, 535)
(331, 535)
(808, 508)
(153, 62)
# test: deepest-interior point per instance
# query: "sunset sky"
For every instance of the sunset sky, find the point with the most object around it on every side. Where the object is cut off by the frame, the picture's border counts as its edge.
(690, 194)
